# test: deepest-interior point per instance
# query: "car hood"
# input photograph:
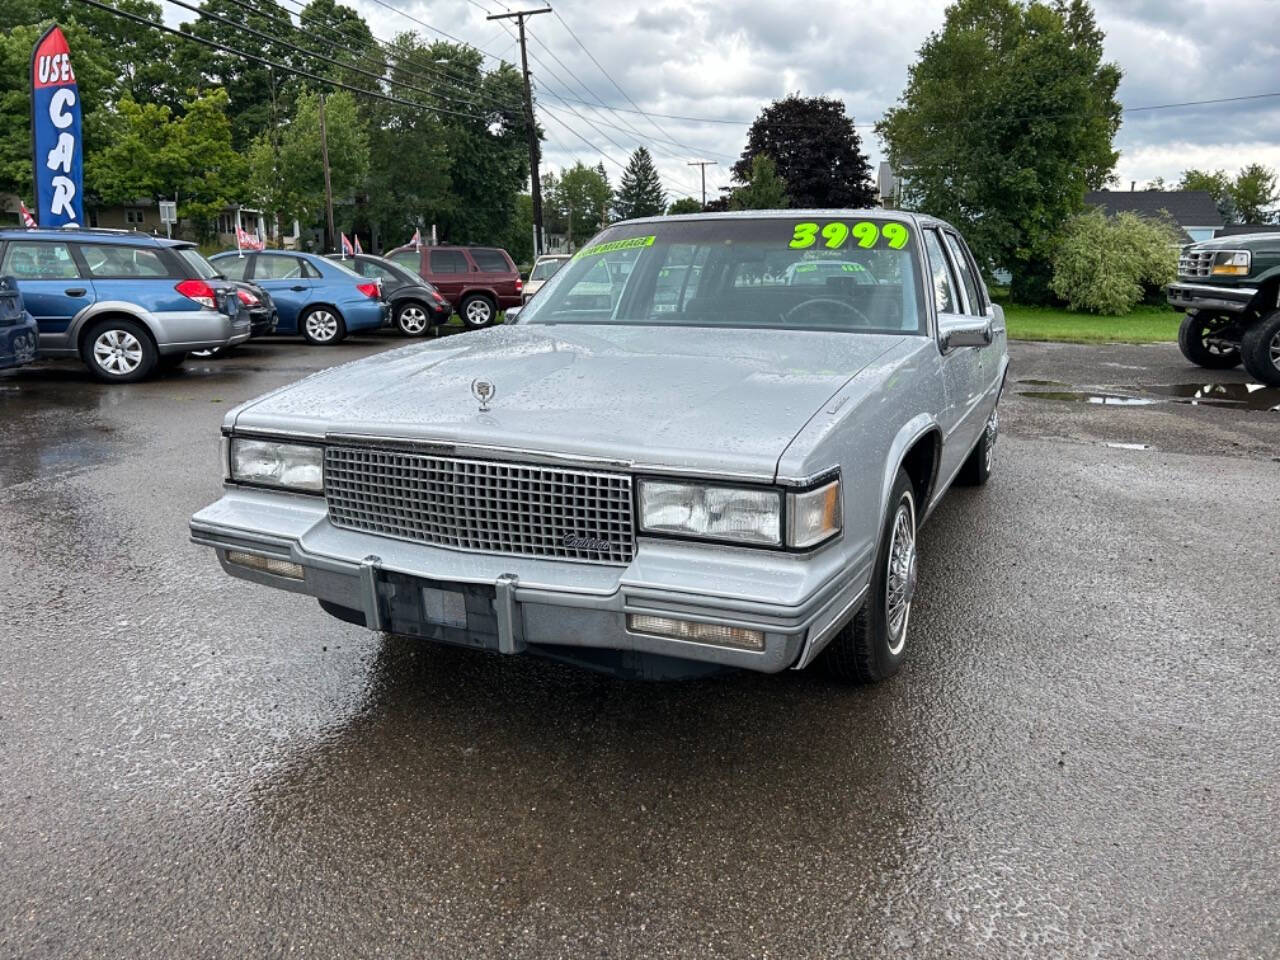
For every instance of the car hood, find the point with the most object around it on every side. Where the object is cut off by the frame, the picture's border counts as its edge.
(715, 400)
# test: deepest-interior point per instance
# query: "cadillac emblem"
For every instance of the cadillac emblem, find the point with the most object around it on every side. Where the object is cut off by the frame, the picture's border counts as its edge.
(484, 391)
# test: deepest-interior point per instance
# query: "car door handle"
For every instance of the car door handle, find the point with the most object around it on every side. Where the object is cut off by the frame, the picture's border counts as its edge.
(75, 291)
(299, 289)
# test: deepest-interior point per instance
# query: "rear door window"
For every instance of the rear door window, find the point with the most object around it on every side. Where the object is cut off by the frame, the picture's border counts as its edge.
(276, 267)
(38, 260)
(409, 259)
(232, 268)
(944, 284)
(449, 261)
(967, 278)
(108, 260)
(491, 261)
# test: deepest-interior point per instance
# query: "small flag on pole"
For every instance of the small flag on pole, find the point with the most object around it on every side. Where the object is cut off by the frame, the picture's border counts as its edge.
(246, 240)
(417, 239)
(27, 219)
(347, 249)
(357, 244)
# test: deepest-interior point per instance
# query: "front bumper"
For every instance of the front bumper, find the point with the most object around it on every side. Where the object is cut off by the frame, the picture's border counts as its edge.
(19, 343)
(797, 602)
(1202, 296)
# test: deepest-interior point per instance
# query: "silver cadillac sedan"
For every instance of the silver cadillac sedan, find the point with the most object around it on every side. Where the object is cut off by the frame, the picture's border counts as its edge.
(708, 442)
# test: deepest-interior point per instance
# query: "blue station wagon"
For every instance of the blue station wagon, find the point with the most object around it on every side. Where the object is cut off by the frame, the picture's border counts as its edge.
(127, 304)
(320, 299)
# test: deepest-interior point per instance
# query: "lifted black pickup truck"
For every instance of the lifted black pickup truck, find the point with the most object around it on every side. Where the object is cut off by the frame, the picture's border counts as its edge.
(1229, 289)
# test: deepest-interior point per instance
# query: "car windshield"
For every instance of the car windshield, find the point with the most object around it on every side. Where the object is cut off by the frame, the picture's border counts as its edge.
(546, 269)
(202, 267)
(858, 274)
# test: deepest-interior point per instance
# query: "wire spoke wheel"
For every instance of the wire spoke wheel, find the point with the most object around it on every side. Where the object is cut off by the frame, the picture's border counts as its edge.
(991, 434)
(118, 352)
(900, 581)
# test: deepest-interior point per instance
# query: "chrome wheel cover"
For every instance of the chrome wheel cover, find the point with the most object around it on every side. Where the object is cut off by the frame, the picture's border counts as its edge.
(118, 352)
(901, 576)
(413, 320)
(322, 325)
(989, 438)
(478, 312)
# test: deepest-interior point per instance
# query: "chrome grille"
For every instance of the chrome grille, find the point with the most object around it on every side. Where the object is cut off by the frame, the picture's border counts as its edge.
(1195, 264)
(481, 505)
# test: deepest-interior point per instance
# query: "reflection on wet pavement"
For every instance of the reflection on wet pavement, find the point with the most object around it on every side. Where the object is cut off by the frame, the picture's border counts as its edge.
(1245, 396)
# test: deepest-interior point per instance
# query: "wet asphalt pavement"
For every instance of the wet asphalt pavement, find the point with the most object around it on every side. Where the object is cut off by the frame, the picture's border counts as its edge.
(1081, 758)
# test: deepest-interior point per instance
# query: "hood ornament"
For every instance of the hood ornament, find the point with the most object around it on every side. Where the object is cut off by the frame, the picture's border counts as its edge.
(484, 391)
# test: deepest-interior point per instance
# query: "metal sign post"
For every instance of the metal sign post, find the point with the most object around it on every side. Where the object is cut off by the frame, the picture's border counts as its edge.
(168, 216)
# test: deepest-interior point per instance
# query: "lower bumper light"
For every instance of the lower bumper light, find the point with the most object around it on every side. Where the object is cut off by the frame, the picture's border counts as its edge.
(716, 634)
(272, 565)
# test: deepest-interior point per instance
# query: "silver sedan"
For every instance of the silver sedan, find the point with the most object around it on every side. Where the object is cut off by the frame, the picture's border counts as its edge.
(672, 461)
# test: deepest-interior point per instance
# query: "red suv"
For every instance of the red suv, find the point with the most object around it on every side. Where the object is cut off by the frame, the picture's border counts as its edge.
(478, 281)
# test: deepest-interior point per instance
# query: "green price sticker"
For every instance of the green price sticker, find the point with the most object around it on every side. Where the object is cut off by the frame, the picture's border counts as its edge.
(865, 233)
(633, 244)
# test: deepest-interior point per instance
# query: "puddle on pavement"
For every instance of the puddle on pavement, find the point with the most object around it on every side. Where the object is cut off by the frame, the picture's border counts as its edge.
(1045, 383)
(1250, 396)
(1106, 399)
(1116, 445)
(1239, 396)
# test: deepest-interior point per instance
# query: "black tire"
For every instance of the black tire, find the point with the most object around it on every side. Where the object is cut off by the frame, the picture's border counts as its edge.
(867, 650)
(413, 319)
(477, 311)
(170, 361)
(117, 350)
(322, 326)
(1260, 349)
(976, 470)
(1192, 332)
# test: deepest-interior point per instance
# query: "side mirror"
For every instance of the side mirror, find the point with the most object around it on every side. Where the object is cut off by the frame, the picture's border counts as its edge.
(512, 315)
(955, 332)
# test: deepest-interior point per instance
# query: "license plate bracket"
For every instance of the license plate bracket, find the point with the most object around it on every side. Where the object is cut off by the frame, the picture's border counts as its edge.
(456, 613)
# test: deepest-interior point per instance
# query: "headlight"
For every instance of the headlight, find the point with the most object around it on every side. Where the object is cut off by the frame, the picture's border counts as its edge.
(294, 466)
(813, 516)
(1231, 263)
(735, 514)
(747, 515)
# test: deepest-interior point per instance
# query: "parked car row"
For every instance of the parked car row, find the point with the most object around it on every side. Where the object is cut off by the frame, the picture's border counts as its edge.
(129, 304)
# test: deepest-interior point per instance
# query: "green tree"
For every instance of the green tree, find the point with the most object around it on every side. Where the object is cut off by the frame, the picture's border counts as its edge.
(1006, 121)
(260, 97)
(289, 179)
(684, 205)
(577, 202)
(1106, 264)
(764, 190)
(1217, 184)
(518, 240)
(1255, 195)
(156, 155)
(816, 150)
(640, 193)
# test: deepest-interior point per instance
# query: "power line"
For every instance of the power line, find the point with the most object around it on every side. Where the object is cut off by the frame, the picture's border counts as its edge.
(146, 22)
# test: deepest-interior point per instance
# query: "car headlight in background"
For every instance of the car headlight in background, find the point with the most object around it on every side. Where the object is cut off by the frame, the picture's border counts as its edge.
(1231, 263)
(748, 515)
(814, 515)
(292, 466)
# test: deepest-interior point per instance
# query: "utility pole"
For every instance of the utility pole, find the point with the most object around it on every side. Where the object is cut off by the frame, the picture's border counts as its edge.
(703, 164)
(571, 225)
(328, 187)
(535, 186)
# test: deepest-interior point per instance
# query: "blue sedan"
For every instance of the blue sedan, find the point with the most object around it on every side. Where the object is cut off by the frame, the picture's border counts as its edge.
(314, 296)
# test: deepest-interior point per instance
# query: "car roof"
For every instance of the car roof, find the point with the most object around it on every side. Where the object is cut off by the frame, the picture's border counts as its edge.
(92, 235)
(903, 216)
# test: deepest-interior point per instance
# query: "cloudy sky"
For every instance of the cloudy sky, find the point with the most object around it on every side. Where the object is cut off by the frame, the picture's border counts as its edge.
(722, 61)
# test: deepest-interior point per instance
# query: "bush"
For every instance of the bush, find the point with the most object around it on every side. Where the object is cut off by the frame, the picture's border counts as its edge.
(1107, 264)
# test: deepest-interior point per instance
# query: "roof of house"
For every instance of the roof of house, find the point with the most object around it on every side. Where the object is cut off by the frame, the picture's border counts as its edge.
(1189, 208)
(1242, 229)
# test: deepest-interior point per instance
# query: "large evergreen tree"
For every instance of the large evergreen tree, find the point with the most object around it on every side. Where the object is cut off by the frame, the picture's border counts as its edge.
(1006, 121)
(640, 193)
(816, 149)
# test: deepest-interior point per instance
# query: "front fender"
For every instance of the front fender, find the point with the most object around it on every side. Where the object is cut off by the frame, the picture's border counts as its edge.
(912, 431)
